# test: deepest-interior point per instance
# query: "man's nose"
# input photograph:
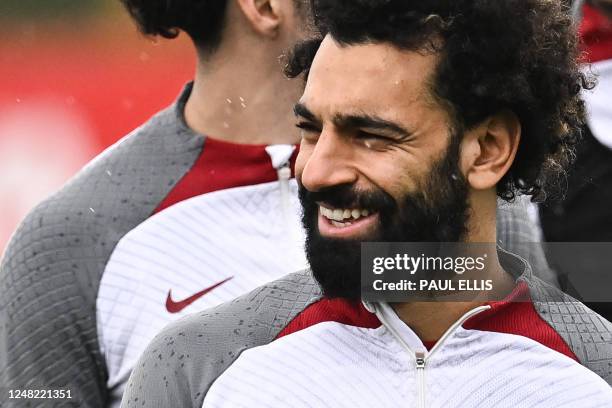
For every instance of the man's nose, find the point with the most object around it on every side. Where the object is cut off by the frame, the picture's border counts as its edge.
(330, 163)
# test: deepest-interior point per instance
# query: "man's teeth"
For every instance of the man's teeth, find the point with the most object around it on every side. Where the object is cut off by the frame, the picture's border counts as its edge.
(340, 215)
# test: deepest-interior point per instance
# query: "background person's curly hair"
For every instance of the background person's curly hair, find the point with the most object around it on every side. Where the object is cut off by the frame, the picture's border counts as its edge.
(519, 55)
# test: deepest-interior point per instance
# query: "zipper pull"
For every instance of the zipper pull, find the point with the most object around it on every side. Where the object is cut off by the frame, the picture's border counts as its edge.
(284, 172)
(420, 359)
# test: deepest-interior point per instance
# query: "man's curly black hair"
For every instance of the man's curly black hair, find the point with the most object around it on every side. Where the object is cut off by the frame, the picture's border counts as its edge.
(495, 55)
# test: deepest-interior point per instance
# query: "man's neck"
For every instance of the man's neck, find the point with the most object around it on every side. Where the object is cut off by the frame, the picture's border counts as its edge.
(429, 320)
(242, 101)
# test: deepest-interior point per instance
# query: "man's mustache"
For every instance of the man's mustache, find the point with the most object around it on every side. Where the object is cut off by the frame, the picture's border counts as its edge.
(347, 196)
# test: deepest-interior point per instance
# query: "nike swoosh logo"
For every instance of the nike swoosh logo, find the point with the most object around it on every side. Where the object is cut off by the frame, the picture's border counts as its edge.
(175, 307)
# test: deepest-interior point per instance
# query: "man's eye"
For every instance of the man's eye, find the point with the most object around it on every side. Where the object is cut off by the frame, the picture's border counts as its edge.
(368, 135)
(307, 127)
(308, 132)
(371, 140)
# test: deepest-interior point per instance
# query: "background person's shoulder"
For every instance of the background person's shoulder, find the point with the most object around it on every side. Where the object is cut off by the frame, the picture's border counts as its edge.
(108, 197)
(51, 270)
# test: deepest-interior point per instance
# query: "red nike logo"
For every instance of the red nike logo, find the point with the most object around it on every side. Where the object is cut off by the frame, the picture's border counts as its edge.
(175, 307)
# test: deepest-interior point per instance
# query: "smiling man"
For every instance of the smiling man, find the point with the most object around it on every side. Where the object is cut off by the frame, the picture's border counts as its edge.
(416, 116)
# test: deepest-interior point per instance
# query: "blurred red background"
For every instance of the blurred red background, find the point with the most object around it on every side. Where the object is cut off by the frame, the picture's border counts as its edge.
(70, 87)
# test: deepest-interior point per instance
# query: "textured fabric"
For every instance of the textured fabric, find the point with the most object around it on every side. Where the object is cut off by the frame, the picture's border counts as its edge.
(334, 365)
(588, 334)
(52, 267)
(184, 359)
(236, 237)
(318, 356)
(332, 310)
(518, 232)
(514, 315)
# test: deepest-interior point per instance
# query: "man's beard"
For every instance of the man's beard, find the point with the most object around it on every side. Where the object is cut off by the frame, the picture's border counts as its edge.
(436, 212)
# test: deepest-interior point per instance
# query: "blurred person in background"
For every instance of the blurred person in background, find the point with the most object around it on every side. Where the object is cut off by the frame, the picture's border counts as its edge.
(584, 212)
(192, 209)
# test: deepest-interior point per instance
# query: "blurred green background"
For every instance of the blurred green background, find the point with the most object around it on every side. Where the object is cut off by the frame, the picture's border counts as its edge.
(11, 10)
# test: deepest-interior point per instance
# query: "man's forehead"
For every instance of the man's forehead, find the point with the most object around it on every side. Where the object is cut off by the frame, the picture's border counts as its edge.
(366, 77)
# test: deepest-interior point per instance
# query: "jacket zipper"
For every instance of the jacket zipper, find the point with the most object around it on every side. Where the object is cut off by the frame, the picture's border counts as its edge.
(280, 155)
(421, 357)
(284, 174)
(290, 226)
(420, 374)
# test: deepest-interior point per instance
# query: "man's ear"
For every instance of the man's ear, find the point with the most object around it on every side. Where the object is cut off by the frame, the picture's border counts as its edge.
(489, 149)
(265, 16)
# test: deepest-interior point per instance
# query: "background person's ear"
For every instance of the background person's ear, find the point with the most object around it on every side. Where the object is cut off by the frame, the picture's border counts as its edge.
(265, 16)
(488, 150)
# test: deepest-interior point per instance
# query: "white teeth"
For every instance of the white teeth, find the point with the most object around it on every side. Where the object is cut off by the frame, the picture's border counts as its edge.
(341, 224)
(339, 215)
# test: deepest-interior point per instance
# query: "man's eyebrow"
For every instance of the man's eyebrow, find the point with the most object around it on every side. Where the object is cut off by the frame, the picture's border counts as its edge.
(370, 122)
(354, 121)
(301, 110)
